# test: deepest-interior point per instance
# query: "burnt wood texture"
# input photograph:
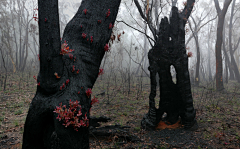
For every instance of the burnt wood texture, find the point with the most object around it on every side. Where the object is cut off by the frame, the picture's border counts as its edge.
(42, 130)
(175, 98)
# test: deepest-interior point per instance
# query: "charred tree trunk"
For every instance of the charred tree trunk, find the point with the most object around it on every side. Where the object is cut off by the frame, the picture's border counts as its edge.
(42, 130)
(175, 99)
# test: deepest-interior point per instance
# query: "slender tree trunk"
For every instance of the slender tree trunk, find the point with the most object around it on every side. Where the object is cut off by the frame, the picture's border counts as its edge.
(15, 40)
(218, 46)
(219, 81)
(202, 72)
(26, 47)
(226, 56)
(226, 71)
(20, 44)
(209, 66)
(233, 62)
(4, 65)
(195, 35)
(197, 77)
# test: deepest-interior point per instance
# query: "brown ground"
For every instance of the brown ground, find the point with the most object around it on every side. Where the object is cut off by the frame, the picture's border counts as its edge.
(218, 115)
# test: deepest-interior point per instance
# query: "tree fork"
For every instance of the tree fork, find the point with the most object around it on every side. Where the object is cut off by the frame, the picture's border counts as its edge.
(42, 130)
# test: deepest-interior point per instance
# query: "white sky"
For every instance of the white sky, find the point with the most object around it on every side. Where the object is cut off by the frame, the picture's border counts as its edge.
(71, 11)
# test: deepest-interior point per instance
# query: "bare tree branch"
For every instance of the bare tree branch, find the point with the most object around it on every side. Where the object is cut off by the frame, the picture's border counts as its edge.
(153, 30)
(137, 30)
(187, 10)
(137, 63)
(217, 6)
(189, 39)
(236, 46)
(132, 16)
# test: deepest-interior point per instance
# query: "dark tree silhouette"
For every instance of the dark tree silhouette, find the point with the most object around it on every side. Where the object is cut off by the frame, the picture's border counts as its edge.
(175, 99)
(87, 33)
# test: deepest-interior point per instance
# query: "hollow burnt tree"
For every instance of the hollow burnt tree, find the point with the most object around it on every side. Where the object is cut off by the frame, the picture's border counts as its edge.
(68, 70)
(175, 99)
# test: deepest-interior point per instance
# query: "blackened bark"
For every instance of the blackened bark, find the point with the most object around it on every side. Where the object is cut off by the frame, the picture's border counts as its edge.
(175, 99)
(42, 129)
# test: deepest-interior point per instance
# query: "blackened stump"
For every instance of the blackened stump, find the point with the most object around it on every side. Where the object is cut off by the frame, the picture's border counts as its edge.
(175, 99)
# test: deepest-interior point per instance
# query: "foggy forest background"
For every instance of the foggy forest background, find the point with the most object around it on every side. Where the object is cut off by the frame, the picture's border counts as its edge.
(123, 89)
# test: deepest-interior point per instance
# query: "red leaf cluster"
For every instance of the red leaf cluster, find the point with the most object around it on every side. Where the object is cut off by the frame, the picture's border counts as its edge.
(190, 54)
(34, 77)
(65, 49)
(84, 35)
(62, 87)
(100, 71)
(70, 56)
(67, 81)
(35, 17)
(71, 115)
(85, 11)
(73, 68)
(94, 100)
(110, 26)
(38, 83)
(108, 13)
(91, 39)
(106, 47)
(88, 92)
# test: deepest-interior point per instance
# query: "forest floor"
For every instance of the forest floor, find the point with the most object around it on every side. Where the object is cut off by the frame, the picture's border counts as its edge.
(218, 115)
